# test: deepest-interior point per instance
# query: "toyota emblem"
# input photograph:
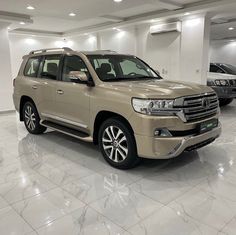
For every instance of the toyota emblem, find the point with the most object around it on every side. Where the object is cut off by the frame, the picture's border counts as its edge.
(206, 103)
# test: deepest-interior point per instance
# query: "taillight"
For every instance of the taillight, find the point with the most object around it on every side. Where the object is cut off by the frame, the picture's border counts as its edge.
(14, 82)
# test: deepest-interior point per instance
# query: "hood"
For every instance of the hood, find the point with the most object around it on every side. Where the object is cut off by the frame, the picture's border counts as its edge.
(215, 76)
(157, 88)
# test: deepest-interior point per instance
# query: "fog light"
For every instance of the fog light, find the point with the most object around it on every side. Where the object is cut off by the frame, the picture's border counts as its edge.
(162, 132)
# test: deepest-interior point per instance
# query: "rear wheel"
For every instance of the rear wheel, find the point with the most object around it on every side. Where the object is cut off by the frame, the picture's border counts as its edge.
(224, 102)
(117, 144)
(32, 119)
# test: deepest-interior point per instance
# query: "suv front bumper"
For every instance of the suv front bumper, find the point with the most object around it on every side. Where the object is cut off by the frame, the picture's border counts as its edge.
(170, 147)
(225, 92)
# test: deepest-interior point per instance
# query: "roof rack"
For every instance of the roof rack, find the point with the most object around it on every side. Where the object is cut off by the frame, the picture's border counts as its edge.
(99, 52)
(109, 51)
(50, 49)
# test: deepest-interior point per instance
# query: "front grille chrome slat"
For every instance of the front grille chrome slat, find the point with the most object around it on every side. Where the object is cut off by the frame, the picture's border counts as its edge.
(198, 107)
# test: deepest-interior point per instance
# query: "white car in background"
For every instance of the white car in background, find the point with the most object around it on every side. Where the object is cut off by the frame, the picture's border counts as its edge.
(222, 78)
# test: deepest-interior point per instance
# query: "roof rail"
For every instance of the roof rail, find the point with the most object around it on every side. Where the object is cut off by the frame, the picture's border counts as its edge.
(106, 51)
(50, 49)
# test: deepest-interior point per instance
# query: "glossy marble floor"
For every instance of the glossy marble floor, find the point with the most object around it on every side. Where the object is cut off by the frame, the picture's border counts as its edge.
(54, 184)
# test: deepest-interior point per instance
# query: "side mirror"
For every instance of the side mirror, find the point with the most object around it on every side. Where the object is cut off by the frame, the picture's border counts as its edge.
(78, 77)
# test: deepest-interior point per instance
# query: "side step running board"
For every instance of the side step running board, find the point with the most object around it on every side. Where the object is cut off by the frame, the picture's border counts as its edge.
(66, 130)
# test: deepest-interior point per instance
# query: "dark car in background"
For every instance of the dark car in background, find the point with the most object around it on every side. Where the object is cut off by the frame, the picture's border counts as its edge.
(222, 78)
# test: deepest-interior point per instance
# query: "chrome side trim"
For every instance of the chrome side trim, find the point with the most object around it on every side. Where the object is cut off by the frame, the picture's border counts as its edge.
(64, 120)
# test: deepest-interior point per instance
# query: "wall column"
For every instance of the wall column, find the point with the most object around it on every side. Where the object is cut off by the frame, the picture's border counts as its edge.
(195, 40)
(5, 70)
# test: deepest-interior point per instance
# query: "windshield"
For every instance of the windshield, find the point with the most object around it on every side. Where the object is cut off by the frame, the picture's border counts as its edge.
(121, 67)
(230, 69)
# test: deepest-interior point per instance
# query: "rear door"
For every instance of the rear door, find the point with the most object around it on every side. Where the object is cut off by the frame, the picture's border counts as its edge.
(49, 74)
(29, 83)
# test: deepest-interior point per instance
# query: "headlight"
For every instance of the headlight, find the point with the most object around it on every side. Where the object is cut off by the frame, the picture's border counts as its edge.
(222, 82)
(150, 107)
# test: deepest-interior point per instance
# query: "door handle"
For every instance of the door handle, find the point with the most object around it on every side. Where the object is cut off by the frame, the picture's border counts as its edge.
(34, 87)
(60, 92)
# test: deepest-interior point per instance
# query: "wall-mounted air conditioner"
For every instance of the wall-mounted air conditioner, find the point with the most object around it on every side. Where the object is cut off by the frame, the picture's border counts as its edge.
(164, 28)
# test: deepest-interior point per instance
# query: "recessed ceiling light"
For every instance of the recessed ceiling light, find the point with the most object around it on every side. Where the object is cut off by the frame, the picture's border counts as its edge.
(231, 28)
(187, 14)
(72, 14)
(30, 7)
(22, 22)
(8, 28)
(117, 0)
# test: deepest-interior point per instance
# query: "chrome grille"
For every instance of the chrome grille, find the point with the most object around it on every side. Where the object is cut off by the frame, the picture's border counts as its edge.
(197, 107)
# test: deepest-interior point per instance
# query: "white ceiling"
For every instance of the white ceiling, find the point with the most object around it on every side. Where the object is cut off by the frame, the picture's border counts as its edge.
(53, 15)
(222, 22)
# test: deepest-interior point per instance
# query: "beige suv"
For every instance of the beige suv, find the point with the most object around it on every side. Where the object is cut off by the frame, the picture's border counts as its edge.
(116, 101)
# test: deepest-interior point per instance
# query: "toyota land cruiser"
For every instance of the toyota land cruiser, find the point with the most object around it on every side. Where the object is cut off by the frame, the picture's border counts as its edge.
(116, 101)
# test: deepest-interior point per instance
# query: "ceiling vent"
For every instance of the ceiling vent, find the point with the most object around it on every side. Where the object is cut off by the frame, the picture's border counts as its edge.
(165, 28)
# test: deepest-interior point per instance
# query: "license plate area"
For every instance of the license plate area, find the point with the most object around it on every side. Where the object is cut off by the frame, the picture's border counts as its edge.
(208, 125)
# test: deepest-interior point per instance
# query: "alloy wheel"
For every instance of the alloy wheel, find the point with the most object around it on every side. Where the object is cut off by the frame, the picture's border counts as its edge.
(115, 144)
(30, 119)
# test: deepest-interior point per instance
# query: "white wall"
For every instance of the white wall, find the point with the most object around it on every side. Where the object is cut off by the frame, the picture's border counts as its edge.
(195, 38)
(83, 42)
(21, 45)
(223, 52)
(5, 70)
(161, 51)
(122, 41)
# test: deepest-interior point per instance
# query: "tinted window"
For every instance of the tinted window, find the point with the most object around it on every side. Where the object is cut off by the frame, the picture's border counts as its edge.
(51, 66)
(32, 67)
(121, 67)
(72, 63)
(230, 69)
(216, 69)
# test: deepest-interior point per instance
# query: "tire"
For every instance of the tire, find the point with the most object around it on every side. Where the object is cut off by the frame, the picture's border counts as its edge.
(224, 102)
(32, 119)
(117, 144)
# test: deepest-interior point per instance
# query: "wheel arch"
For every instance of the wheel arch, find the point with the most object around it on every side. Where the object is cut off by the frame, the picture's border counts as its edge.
(103, 116)
(23, 100)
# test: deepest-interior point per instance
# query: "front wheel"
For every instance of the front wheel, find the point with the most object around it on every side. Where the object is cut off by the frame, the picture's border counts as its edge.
(224, 102)
(117, 144)
(32, 119)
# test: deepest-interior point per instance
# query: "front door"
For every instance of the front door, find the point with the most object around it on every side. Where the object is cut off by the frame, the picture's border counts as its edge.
(73, 99)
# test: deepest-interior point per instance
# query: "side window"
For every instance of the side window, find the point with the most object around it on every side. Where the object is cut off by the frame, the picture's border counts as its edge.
(51, 66)
(73, 63)
(32, 67)
(129, 67)
(215, 69)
